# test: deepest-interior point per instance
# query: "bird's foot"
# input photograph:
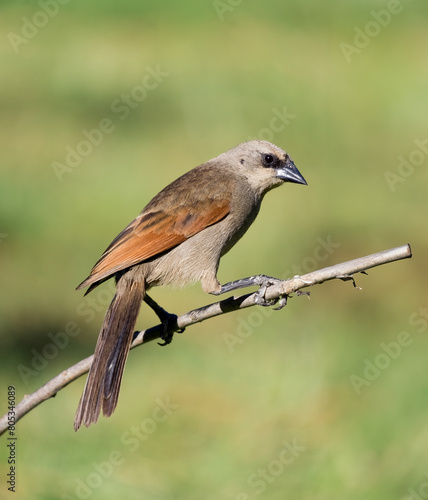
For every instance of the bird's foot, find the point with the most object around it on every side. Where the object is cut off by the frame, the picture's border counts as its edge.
(258, 280)
(168, 320)
(264, 282)
(260, 296)
(169, 327)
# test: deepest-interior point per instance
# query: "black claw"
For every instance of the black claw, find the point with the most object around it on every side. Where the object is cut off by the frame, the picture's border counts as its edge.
(167, 335)
(169, 326)
(166, 340)
(168, 320)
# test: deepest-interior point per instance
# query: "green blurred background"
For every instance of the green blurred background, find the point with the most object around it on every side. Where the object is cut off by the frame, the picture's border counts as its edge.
(313, 377)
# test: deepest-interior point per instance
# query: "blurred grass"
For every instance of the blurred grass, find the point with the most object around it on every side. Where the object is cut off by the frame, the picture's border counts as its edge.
(290, 378)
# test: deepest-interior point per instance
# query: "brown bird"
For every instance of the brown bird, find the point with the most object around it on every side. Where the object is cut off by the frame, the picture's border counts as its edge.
(177, 239)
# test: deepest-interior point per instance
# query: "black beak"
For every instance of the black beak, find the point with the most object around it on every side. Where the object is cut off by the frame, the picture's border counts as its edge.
(288, 172)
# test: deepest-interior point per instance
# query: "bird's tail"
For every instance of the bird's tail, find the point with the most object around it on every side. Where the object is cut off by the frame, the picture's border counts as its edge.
(103, 382)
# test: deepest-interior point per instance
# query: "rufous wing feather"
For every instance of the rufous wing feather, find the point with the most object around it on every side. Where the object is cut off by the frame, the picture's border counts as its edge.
(154, 232)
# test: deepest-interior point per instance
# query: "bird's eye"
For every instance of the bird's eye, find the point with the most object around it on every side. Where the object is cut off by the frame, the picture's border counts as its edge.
(269, 160)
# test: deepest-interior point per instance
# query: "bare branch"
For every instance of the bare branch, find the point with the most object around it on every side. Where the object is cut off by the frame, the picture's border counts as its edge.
(344, 270)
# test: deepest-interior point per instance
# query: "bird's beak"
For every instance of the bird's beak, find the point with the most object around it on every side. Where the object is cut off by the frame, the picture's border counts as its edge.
(288, 172)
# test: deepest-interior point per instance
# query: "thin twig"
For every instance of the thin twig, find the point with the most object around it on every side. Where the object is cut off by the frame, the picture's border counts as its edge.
(344, 270)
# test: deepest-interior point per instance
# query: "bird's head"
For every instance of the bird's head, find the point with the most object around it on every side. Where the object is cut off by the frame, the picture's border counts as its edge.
(263, 164)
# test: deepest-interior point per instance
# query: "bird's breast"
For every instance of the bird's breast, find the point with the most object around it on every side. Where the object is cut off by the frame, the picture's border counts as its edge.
(198, 257)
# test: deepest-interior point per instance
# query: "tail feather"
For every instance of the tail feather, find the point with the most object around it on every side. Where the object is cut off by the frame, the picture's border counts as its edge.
(111, 352)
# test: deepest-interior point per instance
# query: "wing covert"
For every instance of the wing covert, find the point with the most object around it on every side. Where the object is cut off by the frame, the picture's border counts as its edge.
(154, 232)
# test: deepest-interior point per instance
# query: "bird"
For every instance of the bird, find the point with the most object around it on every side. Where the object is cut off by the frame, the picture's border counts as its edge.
(177, 239)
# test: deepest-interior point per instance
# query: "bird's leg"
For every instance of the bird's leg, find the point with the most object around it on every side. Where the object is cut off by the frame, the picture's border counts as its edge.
(168, 320)
(260, 280)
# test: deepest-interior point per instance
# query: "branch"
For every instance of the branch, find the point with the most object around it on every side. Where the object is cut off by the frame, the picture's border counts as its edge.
(344, 271)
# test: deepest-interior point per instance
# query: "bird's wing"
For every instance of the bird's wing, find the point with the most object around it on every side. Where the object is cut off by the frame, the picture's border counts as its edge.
(153, 232)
